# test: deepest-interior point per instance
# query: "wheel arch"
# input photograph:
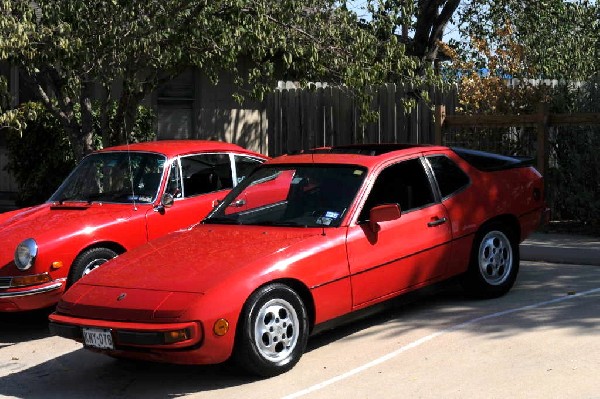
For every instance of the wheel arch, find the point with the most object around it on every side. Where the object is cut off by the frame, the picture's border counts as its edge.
(112, 245)
(300, 288)
(509, 220)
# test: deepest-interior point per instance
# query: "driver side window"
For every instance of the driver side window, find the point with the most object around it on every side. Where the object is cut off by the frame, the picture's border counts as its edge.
(405, 183)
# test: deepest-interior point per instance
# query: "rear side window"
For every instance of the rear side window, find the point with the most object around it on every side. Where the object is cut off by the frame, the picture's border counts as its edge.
(244, 165)
(449, 176)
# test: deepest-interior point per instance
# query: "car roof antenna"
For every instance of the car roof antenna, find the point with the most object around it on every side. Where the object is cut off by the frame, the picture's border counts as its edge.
(312, 157)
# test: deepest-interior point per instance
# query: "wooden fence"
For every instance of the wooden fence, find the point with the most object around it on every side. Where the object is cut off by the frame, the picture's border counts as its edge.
(542, 121)
(301, 119)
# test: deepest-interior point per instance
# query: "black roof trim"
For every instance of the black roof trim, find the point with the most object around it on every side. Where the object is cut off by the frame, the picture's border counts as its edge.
(490, 162)
(363, 149)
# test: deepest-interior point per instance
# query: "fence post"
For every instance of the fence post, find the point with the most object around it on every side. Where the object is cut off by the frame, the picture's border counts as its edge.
(440, 115)
(542, 138)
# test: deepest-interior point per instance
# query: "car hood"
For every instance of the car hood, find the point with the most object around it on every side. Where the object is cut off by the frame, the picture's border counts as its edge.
(198, 259)
(48, 222)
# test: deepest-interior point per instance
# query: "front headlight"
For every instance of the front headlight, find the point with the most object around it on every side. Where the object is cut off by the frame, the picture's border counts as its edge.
(25, 254)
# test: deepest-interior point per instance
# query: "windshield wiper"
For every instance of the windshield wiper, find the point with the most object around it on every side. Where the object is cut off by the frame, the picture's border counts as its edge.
(220, 220)
(95, 197)
(280, 223)
(61, 201)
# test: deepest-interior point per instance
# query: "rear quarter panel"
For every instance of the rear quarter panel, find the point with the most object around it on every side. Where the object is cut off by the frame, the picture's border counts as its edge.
(491, 195)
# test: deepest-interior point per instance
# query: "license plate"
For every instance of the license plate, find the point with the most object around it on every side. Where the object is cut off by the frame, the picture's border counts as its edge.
(98, 338)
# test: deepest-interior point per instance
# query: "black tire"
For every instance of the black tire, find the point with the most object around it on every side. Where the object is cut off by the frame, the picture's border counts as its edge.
(272, 331)
(87, 261)
(494, 262)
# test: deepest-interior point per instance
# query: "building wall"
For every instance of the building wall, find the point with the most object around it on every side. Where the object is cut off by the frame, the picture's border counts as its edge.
(191, 106)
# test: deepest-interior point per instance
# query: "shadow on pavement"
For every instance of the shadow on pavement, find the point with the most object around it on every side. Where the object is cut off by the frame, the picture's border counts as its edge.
(24, 326)
(82, 374)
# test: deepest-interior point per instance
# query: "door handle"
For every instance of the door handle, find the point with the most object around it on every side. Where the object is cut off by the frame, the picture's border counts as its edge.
(436, 222)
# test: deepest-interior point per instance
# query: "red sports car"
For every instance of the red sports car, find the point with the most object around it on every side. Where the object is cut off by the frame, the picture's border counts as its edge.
(304, 240)
(114, 200)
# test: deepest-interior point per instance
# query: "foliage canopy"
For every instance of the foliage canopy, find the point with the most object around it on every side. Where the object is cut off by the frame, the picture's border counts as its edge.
(71, 51)
(552, 39)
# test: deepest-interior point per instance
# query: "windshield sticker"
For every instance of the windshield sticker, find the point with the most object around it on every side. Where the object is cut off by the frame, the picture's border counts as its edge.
(296, 180)
(332, 215)
(325, 221)
(358, 172)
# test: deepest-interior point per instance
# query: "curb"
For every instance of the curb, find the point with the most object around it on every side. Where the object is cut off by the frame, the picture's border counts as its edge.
(561, 248)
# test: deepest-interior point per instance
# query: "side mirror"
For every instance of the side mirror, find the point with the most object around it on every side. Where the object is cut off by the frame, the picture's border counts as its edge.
(167, 200)
(238, 204)
(383, 213)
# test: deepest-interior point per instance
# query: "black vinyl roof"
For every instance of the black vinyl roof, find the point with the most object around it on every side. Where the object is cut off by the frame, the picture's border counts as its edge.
(489, 162)
(363, 149)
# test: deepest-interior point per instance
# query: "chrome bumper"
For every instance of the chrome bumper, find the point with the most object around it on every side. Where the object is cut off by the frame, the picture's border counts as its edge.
(32, 291)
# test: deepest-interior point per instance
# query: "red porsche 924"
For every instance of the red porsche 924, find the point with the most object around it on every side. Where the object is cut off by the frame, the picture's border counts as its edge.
(114, 200)
(304, 240)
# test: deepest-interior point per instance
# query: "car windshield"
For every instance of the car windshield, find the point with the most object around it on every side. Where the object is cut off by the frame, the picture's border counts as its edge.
(308, 195)
(116, 177)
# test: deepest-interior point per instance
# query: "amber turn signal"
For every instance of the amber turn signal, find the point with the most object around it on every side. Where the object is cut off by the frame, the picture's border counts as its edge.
(221, 327)
(23, 281)
(57, 265)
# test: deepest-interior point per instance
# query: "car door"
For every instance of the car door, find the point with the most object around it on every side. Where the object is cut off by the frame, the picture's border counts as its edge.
(195, 181)
(403, 253)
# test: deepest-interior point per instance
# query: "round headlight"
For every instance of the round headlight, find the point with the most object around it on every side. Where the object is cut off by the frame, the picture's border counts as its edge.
(25, 254)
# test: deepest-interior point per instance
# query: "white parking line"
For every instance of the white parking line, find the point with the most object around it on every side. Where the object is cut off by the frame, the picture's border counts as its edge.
(428, 338)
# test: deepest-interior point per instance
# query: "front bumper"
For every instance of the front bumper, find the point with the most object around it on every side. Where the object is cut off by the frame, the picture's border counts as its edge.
(127, 334)
(32, 297)
(139, 340)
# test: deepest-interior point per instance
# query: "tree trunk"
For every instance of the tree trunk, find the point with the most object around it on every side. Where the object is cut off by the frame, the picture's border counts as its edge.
(432, 18)
(80, 142)
(87, 123)
(124, 120)
(105, 109)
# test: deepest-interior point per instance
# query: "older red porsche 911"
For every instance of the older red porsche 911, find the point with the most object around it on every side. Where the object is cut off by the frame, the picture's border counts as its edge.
(114, 200)
(304, 240)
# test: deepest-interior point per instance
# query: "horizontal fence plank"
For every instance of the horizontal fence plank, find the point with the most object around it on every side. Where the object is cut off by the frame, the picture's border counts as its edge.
(457, 121)
(590, 118)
